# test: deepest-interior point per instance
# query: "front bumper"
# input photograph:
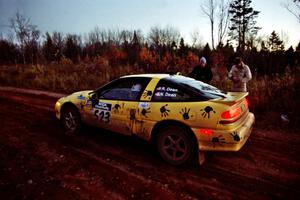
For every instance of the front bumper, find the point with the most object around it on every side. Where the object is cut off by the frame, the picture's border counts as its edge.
(57, 108)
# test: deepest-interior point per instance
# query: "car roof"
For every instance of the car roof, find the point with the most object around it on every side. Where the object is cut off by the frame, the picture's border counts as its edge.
(159, 76)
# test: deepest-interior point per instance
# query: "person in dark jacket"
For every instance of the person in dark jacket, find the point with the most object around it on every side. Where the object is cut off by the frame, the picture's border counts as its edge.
(202, 72)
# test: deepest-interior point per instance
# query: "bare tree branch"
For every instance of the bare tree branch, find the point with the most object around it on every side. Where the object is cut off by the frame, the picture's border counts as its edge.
(223, 20)
(209, 9)
(293, 6)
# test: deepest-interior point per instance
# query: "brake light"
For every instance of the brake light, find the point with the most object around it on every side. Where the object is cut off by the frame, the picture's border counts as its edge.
(234, 112)
(206, 131)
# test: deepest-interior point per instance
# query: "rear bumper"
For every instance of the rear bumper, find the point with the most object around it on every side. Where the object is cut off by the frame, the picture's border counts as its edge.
(228, 140)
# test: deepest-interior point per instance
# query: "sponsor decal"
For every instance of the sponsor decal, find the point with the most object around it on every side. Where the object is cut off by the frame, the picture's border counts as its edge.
(103, 106)
(81, 97)
(147, 94)
(144, 105)
(88, 102)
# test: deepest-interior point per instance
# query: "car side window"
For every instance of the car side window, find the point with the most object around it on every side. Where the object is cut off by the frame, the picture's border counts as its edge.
(127, 89)
(169, 92)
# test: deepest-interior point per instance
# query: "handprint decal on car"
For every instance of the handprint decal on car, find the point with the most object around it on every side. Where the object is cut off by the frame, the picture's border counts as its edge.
(144, 112)
(116, 108)
(206, 111)
(185, 113)
(235, 136)
(164, 111)
(218, 140)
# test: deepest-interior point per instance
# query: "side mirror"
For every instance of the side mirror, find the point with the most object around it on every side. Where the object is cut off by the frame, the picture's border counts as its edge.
(93, 96)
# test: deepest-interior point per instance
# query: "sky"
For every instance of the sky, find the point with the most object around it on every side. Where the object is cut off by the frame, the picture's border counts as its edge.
(82, 16)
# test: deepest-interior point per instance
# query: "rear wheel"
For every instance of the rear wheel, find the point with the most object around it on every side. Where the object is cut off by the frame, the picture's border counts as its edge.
(176, 145)
(70, 119)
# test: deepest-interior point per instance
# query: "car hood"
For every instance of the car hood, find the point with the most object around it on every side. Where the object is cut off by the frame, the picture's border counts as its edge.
(76, 96)
(84, 93)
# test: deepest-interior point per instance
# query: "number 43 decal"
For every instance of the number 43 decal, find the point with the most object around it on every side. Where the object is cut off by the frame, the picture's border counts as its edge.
(102, 115)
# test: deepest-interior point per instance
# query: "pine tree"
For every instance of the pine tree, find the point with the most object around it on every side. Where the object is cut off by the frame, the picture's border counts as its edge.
(182, 48)
(72, 47)
(242, 18)
(275, 44)
(206, 52)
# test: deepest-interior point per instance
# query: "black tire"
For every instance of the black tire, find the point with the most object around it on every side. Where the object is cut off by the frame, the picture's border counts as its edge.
(71, 120)
(175, 145)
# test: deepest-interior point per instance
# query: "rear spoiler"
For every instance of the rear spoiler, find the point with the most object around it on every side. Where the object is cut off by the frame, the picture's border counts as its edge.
(231, 98)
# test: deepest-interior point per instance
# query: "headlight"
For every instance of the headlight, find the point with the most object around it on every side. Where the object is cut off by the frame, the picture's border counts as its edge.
(57, 105)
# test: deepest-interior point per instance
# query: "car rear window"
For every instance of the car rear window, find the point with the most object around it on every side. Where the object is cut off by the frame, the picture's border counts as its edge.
(203, 89)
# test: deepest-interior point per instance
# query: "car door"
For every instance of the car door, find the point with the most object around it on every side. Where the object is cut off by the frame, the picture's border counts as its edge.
(116, 106)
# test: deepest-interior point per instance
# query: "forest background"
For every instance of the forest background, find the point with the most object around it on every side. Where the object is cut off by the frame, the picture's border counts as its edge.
(71, 62)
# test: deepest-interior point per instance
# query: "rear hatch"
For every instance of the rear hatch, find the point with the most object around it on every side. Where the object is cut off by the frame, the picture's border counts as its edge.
(235, 108)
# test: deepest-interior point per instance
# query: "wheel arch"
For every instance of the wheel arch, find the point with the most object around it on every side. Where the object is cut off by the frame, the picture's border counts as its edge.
(67, 105)
(164, 123)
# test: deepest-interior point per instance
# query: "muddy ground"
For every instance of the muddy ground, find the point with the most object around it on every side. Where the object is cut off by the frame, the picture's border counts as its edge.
(39, 161)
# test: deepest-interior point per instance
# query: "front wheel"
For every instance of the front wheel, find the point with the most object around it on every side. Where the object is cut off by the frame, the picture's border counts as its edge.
(175, 145)
(71, 119)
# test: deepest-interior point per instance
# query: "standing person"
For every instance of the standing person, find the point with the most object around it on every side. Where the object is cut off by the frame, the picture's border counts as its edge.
(239, 74)
(202, 72)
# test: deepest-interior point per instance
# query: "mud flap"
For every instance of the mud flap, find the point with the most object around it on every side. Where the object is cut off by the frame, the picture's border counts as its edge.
(201, 157)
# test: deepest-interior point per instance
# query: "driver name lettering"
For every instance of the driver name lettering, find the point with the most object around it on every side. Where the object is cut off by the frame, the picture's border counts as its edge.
(172, 89)
(165, 94)
(168, 89)
(170, 94)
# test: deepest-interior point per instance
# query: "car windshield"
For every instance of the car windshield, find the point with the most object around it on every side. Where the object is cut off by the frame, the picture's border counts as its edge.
(197, 86)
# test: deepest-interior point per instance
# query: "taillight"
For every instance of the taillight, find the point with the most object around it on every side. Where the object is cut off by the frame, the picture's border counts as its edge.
(206, 131)
(232, 113)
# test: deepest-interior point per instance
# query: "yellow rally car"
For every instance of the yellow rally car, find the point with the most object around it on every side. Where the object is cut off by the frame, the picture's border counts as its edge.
(181, 115)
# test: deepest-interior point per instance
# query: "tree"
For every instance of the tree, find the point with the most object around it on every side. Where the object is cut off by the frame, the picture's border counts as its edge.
(290, 57)
(48, 48)
(183, 48)
(209, 10)
(58, 42)
(72, 47)
(206, 52)
(134, 47)
(27, 35)
(242, 18)
(223, 18)
(275, 44)
(8, 52)
(293, 6)
(163, 36)
(196, 39)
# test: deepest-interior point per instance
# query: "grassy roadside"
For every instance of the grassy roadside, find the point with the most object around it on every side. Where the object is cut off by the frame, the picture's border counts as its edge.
(270, 96)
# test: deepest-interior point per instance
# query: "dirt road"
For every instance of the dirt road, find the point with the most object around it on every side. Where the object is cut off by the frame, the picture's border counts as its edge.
(39, 161)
